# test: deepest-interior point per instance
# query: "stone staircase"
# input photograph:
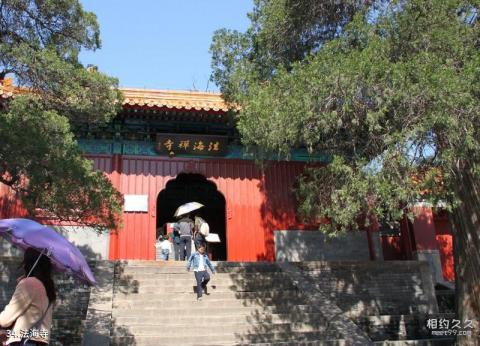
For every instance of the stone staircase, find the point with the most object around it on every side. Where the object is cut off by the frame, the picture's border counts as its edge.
(309, 303)
(390, 301)
(248, 304)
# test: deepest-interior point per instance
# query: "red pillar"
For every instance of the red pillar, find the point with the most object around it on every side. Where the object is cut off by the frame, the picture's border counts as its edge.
(371, 248)
(116, 175)
(370, 229)
(407, 243)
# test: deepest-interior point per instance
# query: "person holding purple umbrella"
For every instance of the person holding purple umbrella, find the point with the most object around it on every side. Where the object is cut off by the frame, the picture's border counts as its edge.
(28, 315)
(25, 234)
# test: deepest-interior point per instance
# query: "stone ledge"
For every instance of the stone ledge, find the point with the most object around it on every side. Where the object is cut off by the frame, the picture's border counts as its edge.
(98, 321)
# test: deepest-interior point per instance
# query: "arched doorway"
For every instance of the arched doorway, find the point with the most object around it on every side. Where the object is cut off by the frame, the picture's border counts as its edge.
(188, 187)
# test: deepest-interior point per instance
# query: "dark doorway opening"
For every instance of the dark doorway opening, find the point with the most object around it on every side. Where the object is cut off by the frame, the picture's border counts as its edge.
(188, 187)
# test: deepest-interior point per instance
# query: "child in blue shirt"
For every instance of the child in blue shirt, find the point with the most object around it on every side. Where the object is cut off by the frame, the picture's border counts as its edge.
(200, 263)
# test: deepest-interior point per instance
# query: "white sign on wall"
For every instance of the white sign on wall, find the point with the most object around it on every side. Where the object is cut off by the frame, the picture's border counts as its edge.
(135, 203)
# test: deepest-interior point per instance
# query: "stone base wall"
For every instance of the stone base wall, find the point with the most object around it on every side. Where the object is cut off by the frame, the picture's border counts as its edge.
(92, 245)
(296, 246)
(432, 257)
(7, 250)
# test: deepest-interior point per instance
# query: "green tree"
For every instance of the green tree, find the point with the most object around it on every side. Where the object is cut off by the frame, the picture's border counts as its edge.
(39, 45)
(392, 95)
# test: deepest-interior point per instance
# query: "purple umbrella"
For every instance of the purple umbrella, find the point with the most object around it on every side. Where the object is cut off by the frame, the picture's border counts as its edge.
(26, 233)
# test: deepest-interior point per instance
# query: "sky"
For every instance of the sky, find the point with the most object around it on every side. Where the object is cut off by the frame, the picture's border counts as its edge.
(161, 44)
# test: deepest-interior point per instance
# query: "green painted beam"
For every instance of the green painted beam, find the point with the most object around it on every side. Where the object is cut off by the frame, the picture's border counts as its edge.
(143, 148)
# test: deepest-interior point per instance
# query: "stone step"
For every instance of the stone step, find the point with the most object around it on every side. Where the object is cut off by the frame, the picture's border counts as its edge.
(207, 301)
(175, 296)
(173, 286)
(406, 319)
(191, 288)
(336, 342)
(201, 309)
(184, 273)
(220, 329)
(62, 322)
(181, 269)
(210, 300)
(186, 319)
(159, 280)
(419, 342)
(220, 280)
(220, 339)
(174, 264)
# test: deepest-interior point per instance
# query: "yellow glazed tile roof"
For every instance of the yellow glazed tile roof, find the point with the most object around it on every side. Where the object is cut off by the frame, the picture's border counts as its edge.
(189, 100)
(178, 99)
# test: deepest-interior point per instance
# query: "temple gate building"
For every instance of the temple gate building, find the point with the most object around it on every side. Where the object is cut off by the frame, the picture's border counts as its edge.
(166, 148)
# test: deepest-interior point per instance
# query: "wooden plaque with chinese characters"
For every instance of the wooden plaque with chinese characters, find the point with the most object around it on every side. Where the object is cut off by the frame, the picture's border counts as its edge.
(188, 144)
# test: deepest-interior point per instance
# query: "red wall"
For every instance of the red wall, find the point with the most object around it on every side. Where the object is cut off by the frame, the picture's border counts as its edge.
(256, 203)
(429, 231)
(445, 246)
(10, 205)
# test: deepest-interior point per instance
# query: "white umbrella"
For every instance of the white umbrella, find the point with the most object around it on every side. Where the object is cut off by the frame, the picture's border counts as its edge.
(187, 208)
(213, 238)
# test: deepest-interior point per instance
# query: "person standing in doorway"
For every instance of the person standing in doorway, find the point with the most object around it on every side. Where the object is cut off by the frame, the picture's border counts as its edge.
(185, 227)
(202, 230)
(175, 237)
(164, 247)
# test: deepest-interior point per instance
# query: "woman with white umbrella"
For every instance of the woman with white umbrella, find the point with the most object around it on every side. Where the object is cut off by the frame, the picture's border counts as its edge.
(185, 227)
